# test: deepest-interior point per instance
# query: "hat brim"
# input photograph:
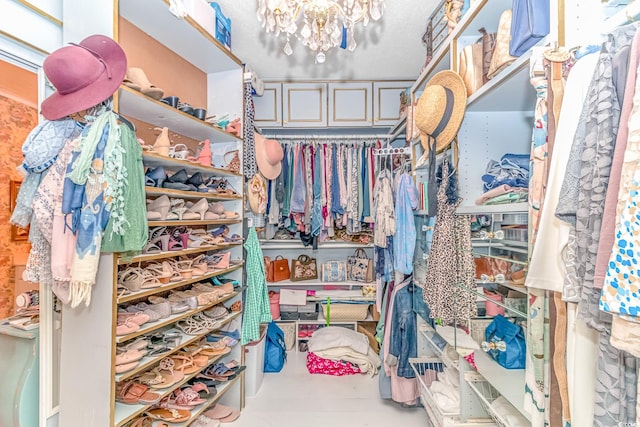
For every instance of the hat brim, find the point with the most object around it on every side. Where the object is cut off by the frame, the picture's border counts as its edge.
(267, 170)
(451, 80)
(58, 106)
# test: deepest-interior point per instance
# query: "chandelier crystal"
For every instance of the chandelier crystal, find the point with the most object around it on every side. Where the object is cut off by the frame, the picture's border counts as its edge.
(319, 24)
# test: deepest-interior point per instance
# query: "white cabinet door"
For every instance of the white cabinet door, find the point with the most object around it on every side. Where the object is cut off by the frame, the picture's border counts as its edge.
(350, 104)
(304, 105)
(268, 107)
(386, 102)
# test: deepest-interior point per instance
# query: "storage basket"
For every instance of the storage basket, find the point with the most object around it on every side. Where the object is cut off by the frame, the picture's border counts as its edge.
(289, 330)
(515, 219)
(346, 312)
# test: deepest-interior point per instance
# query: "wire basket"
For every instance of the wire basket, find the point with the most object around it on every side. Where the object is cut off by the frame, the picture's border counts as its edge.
(426, 370)
(487, 394)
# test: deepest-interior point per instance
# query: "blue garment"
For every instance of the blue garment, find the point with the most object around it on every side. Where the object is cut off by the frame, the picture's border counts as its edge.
(335, 184)
(404, 330)
(286, 165)
(316, 214)
(511, 170)
(298, 189)
(384, 261)
(404, 241)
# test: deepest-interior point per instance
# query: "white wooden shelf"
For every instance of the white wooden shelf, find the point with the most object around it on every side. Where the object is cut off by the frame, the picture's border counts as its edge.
(154, 160)
(138, 106)
(508, 382)
(288, 283)
(194, 222)
(506, 208)
(427, 332)
(183, 36)
(440, 60)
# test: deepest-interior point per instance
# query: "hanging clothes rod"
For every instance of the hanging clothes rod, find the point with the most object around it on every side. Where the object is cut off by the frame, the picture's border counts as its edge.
(328, 137)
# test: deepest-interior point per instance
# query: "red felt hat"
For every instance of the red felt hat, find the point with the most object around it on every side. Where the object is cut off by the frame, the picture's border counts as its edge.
(84, 75)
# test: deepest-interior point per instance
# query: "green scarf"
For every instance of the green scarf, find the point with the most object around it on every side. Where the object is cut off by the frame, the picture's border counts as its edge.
(134, 233)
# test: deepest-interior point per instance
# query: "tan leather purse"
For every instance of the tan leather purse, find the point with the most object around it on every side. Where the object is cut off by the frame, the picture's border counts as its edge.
(501, 58)
(470, 68)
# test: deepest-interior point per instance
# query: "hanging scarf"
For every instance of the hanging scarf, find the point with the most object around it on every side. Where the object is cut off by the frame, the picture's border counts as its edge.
(93, 191)
(257, 298)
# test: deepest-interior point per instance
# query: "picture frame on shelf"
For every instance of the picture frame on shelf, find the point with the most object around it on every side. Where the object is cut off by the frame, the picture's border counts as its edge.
(17, 234)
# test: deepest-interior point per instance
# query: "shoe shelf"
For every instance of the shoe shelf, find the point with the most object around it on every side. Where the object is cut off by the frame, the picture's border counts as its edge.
(194, 222)
(515, 312)
(148, 292)
(147, 363)
(210, 401)
(183, 36)
(138, 106)
(173, 319)
(123, 260)
(154, 160)
(124, 413)
(508, 285)
(179, 194)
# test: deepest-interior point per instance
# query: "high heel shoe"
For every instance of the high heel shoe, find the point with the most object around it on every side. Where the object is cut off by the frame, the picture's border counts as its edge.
(180, 212)
(158, 209)
(195, 180)
(201, 207)
(155, 177)
(137, 80)
(162, 144)
(158, 241)
(204, 156)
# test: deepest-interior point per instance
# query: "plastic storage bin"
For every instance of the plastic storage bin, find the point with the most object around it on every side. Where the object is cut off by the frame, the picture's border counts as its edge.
(254, 360)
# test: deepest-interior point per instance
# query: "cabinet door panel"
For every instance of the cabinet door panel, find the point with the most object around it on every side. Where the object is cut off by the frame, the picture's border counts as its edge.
(304, 104)
(268, 107)
(386, 102)
(350, 104)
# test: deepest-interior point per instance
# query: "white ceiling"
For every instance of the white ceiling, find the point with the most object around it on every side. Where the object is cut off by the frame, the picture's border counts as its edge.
(390, 48)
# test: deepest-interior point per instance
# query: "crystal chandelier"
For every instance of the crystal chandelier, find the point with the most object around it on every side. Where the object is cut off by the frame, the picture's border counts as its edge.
(324, 23)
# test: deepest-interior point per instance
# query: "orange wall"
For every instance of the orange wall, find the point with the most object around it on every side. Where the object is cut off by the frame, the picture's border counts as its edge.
(163, 67)
(18, 115)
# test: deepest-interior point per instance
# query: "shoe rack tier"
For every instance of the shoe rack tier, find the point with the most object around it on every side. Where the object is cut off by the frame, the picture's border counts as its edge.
(123, 260)
(192, 195)
(125, 413)
(147, 363)
(138, 106)
(173, 319)
(153, 160)
(194, 222)
(209, 403)
(160, 289)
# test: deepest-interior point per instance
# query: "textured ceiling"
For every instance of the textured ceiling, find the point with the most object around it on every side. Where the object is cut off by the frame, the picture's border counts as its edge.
(390, 48)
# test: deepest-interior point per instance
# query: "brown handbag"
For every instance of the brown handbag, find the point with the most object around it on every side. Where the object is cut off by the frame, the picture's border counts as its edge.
(501, 58)
(304, 268)
(277, 269)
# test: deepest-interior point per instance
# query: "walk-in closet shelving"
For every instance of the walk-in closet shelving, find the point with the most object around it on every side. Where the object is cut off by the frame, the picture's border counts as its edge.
(88, 378)
(498, 120)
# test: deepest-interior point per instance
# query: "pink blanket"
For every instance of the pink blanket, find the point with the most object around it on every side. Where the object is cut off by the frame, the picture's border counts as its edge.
(318, 365)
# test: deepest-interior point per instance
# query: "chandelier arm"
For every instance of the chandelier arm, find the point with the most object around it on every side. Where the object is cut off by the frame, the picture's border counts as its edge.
(343, 13)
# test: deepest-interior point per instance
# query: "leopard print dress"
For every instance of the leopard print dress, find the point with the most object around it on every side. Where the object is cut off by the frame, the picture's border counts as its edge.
(450, 263)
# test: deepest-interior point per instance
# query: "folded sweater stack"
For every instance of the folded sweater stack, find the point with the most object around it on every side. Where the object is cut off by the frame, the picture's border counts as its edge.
(342, 345)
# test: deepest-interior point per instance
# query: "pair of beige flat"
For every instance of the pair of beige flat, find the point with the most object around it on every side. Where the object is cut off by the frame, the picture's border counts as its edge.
(136, 79)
